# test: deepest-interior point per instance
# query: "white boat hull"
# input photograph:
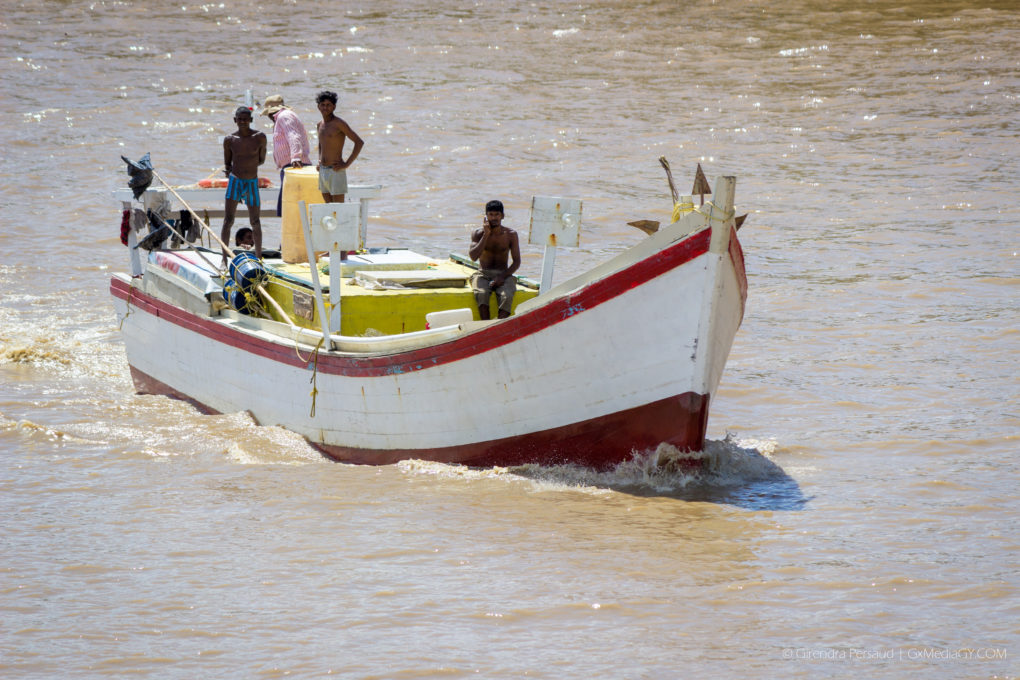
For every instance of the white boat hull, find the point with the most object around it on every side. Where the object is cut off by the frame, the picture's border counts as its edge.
(627, 360)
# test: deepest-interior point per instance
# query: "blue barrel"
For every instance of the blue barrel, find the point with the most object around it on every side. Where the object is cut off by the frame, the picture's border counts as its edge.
(246, 271)
(236, 298)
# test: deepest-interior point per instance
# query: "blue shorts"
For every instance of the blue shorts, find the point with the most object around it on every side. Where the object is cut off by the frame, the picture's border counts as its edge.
(243, 191)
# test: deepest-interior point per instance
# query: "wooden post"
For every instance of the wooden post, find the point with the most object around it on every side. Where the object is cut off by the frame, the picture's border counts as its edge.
(548, 262)
(554, 222)
(333, 227)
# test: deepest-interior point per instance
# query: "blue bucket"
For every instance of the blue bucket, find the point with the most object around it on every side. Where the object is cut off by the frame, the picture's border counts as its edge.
(246, 271)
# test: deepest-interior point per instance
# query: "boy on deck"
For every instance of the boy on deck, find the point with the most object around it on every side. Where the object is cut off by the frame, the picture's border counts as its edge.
(333, 132)
(244, 150)
(244, 239)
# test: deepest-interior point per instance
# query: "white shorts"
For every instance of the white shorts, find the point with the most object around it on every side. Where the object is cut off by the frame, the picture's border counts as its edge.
(332, 182)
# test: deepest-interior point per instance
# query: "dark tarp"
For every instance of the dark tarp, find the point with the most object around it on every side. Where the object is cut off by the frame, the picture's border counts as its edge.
(141, 174)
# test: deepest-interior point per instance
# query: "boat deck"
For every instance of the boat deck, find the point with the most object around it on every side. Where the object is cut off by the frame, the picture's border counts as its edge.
(386, 291)
(382, 293)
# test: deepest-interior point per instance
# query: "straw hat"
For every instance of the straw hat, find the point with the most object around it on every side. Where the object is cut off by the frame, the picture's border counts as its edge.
(273, 104)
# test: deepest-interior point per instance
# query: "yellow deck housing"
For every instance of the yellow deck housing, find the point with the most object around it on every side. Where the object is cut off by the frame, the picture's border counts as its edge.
(386, 311)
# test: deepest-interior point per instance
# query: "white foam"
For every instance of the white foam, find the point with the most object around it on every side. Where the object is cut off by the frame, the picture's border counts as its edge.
(665, 470)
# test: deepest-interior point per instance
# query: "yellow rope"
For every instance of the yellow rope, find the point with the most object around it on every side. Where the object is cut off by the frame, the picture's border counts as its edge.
(127, 303)
(315, 372)
(714, 211)
(302, 359)
(681, 208)
(251, 301)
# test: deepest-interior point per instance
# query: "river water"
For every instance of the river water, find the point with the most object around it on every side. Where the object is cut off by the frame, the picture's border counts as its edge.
(861, 513)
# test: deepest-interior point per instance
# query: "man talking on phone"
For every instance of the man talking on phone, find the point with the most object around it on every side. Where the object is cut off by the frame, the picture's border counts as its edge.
(498, 252)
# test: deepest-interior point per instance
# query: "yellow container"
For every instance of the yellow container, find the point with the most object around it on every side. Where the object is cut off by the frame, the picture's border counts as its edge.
(299, 184)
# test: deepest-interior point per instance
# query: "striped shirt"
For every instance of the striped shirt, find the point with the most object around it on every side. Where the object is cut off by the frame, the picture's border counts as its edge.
(290, 141)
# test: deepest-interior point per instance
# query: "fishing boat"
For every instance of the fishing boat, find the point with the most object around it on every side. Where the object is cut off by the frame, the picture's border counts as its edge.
(376, 355)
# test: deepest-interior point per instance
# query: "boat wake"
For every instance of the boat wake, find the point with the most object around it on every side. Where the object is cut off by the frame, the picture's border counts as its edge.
(27, 354)
(731, 471)
(30, 430)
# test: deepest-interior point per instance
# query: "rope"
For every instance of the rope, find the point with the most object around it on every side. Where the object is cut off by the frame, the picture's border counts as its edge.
(227, 252)
(190, 245)
(315, 373)
(226, 249)
(252, 301)
(712, 208)
(681, 208)
(127, 313)
(294, 339)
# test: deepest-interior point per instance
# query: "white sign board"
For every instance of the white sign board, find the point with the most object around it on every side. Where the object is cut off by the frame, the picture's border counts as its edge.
(335, 226)
(555, 221)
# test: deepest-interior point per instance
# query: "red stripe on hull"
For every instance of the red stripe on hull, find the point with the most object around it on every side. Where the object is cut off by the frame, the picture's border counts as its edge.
(599, 443)
(737, 256)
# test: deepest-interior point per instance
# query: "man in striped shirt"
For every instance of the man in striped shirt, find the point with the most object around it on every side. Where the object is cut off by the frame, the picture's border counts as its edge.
(290, 140)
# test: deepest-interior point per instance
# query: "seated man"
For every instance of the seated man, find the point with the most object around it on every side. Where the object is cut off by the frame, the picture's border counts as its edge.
(492, 246)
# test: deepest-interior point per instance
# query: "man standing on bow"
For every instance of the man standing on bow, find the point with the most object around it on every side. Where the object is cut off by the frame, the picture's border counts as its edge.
(290, 140)
(333, 133)
(244, 150)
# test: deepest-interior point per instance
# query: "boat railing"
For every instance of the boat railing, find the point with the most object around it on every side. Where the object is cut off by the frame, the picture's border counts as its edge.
(209, 202)
(382, 344)
(687, 225)
(169, 287)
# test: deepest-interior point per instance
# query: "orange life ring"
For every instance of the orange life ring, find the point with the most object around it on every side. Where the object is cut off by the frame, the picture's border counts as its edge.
(221, 183)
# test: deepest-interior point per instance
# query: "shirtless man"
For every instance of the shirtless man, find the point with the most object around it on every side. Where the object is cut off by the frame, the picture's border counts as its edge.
(244, 150)
(492, 246)
(333, 132)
